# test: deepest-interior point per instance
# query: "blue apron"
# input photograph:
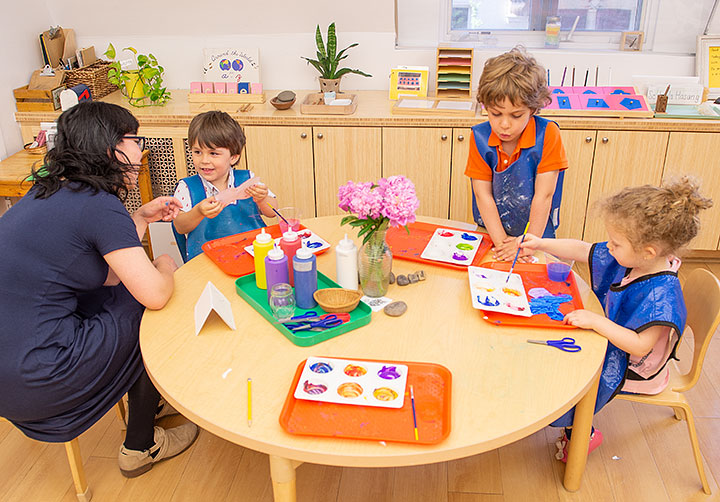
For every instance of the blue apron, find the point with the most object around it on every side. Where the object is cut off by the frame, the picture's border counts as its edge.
(235, 218)
(514, 188)
(650, 300)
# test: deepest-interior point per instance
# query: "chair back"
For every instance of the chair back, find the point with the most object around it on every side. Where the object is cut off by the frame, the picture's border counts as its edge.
(702, 298)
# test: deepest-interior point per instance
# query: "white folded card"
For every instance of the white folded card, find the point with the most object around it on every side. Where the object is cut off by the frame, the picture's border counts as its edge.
(212, 299)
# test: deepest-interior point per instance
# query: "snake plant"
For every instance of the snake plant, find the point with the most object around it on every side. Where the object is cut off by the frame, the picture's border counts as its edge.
(328, 60)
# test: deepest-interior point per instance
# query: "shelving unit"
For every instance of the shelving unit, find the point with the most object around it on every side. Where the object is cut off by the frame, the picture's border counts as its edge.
(454, 72)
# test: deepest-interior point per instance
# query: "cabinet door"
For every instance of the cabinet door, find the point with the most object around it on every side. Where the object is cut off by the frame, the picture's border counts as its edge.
(697, 154)
(622, 159)
(460, 192)
(423, 155)
(579, 146)
(344, 154)
(283, 158)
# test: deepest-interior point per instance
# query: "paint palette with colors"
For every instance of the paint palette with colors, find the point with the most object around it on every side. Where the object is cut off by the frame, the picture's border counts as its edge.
(452, 246)
(490, 291)
(310, 240)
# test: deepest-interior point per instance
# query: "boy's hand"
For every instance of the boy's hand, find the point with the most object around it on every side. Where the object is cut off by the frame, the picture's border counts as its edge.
(258, 192)
(506, 250)
(583, 319)
(210, 207)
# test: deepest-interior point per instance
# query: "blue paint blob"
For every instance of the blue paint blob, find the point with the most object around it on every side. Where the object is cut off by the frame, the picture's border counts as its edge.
(489, 301)
(321, 368)
(549, 305)
(468, 237)
(558, 271)
(312, 245)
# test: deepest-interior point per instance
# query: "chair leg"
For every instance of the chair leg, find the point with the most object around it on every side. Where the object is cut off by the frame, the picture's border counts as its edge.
(696, 449)
(72, 448)
(122, 414)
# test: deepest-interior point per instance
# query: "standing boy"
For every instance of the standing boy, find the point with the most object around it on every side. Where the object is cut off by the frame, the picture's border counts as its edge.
(517, 159)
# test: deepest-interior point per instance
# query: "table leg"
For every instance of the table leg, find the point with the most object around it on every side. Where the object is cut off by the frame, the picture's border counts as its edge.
(282, 472)
(578, 447)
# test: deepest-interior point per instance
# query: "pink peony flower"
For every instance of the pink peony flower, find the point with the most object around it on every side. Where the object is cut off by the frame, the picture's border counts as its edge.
(400, 201)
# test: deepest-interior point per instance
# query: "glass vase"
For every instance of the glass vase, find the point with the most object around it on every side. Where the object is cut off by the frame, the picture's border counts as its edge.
(375, 263)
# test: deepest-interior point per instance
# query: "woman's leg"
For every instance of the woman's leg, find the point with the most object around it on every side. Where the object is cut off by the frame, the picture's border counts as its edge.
(143, 399)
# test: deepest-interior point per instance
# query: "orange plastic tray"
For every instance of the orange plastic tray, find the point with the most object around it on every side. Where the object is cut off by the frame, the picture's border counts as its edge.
(229, 253)
(534, 276)
(432, 385)
(410, 246)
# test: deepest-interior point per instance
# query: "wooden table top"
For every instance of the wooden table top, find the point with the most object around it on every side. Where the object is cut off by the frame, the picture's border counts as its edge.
(14, 170)
(503, 388)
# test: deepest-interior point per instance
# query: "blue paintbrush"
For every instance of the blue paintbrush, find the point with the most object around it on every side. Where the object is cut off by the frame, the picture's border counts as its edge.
(517, 253)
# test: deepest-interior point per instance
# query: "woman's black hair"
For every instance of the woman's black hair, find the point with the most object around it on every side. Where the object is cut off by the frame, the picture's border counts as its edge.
(85, 152)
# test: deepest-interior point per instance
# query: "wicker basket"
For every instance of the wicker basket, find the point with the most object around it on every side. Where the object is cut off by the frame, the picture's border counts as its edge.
(94, 76)
(337, 299)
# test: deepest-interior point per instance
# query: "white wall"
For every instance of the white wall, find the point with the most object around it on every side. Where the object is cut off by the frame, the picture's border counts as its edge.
(177, 31)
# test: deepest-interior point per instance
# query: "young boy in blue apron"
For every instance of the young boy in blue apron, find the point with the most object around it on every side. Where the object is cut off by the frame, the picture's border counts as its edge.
(517, 159)
(216, 142)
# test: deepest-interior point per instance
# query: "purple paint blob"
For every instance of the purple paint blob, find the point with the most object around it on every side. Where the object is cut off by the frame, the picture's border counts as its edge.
(389, 373)
(459, 257)
(558, 271)
(468, 237)
(311, 388)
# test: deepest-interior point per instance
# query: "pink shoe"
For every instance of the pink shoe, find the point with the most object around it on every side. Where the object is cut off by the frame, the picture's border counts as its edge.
(596, 439)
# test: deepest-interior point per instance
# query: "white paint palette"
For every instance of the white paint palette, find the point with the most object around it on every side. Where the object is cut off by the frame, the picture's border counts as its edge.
(458, 247)
(309, 239)
(489, 291)
(360, 383)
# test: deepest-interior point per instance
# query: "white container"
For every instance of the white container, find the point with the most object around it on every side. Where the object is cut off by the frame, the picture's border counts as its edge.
(346, 263)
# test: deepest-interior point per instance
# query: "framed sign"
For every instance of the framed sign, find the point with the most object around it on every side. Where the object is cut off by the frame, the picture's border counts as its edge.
(707, 63)
(231, 65)
(632, 40)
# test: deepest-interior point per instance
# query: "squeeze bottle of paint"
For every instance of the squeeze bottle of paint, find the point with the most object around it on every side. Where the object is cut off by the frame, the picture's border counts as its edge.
(290, 243)
(306, 282)
(276, 268)
(346, 263)
(261, 245)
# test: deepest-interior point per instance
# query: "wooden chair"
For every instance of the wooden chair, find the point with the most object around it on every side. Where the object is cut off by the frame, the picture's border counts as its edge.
(702, 297)
(72, 448)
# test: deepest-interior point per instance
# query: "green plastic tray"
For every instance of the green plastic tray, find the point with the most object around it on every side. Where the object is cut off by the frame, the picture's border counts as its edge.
(257, 298)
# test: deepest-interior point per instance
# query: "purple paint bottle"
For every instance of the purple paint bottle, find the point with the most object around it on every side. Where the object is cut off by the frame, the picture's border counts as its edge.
(276, 268)
(306, 283)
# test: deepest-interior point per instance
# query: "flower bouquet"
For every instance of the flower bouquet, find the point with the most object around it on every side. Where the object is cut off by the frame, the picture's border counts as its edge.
(375, 206)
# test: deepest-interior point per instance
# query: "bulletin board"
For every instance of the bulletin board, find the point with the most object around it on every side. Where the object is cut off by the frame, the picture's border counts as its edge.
(707, 63)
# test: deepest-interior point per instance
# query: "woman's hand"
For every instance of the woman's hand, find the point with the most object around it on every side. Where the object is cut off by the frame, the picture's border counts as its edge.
(258, 192)
(161, 208)
(165, 263)
(210, 207)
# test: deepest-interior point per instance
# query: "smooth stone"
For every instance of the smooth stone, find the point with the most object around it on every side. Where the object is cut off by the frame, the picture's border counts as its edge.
(285, 96)
(413, 278)
(395, 309)
(402, 280)
(392, 278)
(421, 275)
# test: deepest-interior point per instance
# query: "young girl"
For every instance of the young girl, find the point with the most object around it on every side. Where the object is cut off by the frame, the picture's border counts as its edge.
(634, 275)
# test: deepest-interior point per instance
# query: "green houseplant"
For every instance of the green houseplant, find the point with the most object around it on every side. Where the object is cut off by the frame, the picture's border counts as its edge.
(328, 60)
(144, 86)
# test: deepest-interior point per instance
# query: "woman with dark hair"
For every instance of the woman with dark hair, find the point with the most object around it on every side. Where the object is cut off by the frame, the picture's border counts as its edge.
(74, 282)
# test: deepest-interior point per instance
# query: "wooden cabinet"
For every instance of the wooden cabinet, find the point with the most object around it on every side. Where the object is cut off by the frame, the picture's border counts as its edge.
(698, 154)
(283, 158)
(343, 154)
(579, 147)
(622, 159)
(423, 155)
(460, 192)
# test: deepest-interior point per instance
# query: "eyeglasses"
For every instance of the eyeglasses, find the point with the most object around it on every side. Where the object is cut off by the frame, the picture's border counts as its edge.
(140, 140)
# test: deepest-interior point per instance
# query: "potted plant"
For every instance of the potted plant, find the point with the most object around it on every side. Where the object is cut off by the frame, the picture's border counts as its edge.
(142, 86)
(327, 62)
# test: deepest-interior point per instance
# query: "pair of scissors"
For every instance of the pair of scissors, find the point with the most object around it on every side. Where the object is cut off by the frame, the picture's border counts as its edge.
(567, 344)
(328, 321)
(311, 315)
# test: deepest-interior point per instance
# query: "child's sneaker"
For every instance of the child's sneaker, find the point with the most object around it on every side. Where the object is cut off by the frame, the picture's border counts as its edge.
(596, 439)
(168, 443)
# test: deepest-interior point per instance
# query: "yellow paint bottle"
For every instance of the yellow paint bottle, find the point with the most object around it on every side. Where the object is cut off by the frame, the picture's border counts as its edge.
(261, 245)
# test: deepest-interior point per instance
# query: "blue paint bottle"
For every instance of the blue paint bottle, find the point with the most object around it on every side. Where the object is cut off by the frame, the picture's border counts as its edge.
(306, 283)
(276, 268)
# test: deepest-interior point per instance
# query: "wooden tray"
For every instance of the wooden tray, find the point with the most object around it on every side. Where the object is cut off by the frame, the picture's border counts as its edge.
(313, 104)
(228, 99)
(398, 109)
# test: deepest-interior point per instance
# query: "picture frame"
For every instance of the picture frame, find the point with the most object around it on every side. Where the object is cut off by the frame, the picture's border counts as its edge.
(707, 63)
(632, 41)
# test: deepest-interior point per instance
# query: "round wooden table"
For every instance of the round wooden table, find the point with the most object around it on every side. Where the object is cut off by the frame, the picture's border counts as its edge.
(503, 388)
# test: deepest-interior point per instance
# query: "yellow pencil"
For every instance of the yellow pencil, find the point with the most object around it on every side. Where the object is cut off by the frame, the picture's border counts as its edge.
(249, 402)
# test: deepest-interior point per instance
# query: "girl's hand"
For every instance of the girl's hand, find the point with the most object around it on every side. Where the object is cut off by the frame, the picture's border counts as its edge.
(210, 207)
(583, 319)
(161, 208)
(506, 251)
(531, 243)
(258, 192)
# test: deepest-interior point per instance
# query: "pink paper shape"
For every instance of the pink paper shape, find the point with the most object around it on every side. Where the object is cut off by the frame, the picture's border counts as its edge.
(237, 193)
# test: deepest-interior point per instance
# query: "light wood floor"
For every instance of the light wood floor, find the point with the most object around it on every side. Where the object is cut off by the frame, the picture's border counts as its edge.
(646, 456)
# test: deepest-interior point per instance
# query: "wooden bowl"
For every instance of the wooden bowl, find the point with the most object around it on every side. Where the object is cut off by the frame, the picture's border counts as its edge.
(337, 299)
(38, 150)
(281, 105)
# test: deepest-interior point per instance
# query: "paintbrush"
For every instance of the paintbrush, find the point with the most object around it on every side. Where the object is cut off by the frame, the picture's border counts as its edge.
(280, 215)
(517, 253)
(412, 402)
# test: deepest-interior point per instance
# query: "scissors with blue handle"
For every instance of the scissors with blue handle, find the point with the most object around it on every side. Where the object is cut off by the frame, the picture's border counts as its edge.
(328, 322)
(567, 344)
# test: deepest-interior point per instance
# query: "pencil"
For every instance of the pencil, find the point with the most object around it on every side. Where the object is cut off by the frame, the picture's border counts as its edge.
(587, 72)
(412, 402)
(517, 253)
(249, 397)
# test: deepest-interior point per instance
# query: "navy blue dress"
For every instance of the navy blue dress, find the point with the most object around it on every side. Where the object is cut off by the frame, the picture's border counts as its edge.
(69, 346)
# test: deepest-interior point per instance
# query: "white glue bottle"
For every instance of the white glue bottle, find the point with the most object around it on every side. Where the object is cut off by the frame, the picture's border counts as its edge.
(346, 263)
